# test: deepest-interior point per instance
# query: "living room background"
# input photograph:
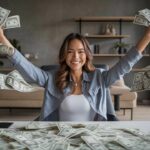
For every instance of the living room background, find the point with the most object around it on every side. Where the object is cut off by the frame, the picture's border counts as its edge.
(44, 25)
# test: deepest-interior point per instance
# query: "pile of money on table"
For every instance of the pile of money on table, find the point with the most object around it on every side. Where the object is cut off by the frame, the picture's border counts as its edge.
(143, 18)
(8, 22)
(71, 136)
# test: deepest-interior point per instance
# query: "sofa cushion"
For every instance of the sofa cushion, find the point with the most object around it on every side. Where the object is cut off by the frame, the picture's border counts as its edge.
(13, 98)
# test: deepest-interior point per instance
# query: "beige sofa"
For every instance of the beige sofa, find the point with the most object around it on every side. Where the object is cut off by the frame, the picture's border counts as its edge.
(15, 99)
(128, 99)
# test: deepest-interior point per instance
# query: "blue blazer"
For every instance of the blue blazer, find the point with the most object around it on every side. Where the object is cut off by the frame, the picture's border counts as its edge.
(95, 85)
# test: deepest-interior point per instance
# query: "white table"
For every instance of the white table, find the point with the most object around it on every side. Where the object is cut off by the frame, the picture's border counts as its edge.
(142, 125)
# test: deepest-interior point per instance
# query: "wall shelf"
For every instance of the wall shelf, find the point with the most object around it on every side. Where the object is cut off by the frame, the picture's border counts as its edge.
(115, 55)
(105, 18)
(6, 69)
(139, 69)
(107, 36)
(108, 55)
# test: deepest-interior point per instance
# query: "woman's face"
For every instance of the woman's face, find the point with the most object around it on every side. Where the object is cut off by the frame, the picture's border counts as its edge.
(76, 56)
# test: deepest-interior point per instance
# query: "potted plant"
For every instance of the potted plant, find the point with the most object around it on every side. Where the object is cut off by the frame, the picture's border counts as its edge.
(1, 63)
(121, 47)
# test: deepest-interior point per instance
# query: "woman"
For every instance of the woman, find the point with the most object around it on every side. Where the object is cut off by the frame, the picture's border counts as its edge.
(76, 91)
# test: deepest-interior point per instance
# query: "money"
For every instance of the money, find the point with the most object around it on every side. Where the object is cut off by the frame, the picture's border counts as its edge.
(5, 50)
(60, 146)
(3, 15)
(145, 12)
(16, 82)
(143, 18)
(39, 125)
(141, 80)
(137, 133)
(8, 22)
(12, 22)
(2, 82)
(40, 136)
(93, 143)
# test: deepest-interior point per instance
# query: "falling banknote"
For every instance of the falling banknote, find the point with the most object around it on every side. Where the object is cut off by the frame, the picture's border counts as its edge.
(3, 15)
(16, 82)
(143, 17)
(141, 81)
(12, 22)
(8, 22)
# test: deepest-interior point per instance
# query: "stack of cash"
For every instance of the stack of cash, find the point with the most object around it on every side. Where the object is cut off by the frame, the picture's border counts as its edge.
(143, 18)
(15, 81)
(141, 80)
(71, 136)
(8, 22)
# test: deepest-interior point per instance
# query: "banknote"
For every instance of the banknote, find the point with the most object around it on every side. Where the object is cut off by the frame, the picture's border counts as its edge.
(2, 82)
(12, 22)
(146, 13)
(141, 20)
(8, 22)
(143, 17)
(38, 136)
(93, 143)
(60, 146)
(39, 125)
(5, 50)
(83, 147)
(3, 15)
(15, 81)
(141, 81)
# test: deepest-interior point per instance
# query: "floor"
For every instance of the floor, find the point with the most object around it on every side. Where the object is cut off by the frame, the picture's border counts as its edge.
(141, 112)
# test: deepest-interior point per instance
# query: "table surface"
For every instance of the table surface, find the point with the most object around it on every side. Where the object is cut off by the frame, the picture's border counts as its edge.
(142, 125)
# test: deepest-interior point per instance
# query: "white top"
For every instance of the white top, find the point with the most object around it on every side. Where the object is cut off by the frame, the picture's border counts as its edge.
(75, 108)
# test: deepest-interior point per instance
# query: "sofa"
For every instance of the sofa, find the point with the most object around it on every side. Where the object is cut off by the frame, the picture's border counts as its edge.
(127, 99)
(14, 99)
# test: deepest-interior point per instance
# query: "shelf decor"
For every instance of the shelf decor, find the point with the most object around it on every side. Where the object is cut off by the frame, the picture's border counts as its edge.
(121, 47)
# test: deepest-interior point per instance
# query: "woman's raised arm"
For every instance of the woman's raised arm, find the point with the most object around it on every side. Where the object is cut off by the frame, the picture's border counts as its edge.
(26, 68)
(3, 40)
(144, 41)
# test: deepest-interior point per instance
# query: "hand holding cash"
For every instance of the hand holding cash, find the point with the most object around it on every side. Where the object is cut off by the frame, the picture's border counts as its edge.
(6, 22)
(143, 18)
(6, 50)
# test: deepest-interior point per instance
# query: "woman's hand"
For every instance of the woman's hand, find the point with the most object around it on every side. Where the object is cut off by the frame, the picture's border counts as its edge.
(147, 33)
(145, 40)
(6, 47)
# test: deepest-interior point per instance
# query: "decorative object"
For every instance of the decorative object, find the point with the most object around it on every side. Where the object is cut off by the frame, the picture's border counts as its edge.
(107, 30)
(96, 49)
(121, 47)
(110, 29)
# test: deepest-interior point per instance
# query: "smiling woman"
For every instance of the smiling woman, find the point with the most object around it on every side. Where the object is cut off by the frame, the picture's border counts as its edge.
(76, 91)
(76, 56)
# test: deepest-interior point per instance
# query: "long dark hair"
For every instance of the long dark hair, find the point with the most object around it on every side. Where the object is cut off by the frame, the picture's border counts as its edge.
(63, 74)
